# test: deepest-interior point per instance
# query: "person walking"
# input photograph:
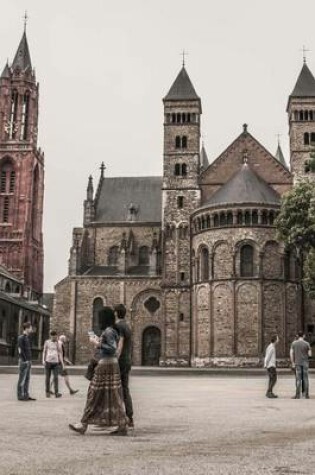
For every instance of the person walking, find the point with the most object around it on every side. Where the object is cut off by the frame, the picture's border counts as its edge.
(270, 364)
(105, 405)
(25, 363)
(299, 354)
(62, 370)
(52, 358)
(124, 358)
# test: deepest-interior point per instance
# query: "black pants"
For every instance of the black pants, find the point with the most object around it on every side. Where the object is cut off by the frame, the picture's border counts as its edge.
(51, 368)
(272, 372)
(124, 375)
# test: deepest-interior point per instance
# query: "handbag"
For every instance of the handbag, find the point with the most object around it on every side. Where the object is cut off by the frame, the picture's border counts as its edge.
(90, 370)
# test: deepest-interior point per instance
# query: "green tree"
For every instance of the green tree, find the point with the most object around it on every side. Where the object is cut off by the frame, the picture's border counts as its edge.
(296, 228)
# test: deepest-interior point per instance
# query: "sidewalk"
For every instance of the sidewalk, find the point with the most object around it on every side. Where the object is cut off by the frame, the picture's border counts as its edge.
(161, 371)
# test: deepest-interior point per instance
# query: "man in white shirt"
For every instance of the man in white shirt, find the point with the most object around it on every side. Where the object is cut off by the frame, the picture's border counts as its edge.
(270, 364)
(52, 358)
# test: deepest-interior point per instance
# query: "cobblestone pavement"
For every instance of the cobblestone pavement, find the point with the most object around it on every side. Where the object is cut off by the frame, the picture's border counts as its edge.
(184, 425)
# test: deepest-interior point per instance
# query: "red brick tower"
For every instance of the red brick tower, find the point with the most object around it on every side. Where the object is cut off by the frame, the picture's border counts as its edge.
(21, 172)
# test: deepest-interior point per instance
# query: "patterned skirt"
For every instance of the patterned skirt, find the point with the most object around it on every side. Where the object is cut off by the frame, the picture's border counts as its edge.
(105, 405)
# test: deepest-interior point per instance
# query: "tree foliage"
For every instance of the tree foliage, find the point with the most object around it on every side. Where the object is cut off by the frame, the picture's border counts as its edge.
(296, 228)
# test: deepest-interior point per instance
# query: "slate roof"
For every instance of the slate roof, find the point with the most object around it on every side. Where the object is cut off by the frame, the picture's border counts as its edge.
(22, 57)
(245, 186)
(117, 194)
(182, 88)
(305, 84)
(23, 303)
(6, 72)
(204, 161)
(279, 155)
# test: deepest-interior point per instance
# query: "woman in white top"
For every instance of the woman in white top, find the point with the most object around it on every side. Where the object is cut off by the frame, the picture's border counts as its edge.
(52, 358)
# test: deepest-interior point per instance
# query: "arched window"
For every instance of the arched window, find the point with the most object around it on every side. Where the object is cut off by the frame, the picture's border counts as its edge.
(177, 141)
(312, 138)
(177, 169)
(305, 115)
(97, 307)
(13, 115)
(247, 218)
(24, 118)
(240, 217)
(208, 221)
(113, 256)
(301, 115)
(180, 202)
(255, 217)
(188, 117)
(35, 193)
(215, 220)
(7, 182)
(184, 141)
(184, 117)
(229, 218)
(184, 169)
(271, 217)
(264, 217)
(178, 117)
(306, 138)
(222, 219)
(144, 258)
(311, 115)
(247, 261)
(204, 264)
(173, 117)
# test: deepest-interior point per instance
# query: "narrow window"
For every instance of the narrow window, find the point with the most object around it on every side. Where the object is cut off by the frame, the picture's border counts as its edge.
(264, 219)
(305, 115)
(182, 276)
(184, 118)
(222, 219)
(301, 115)
(229, 218)
(3, 181)
(173, 117)
(208, 222)
(255, 217)
(215, 220)
(184, 141)
(247, 218)
(271, 218)
(306, 138)
(12, 181)
(24, 118)
(204, 264)
(184, 169)
(177, 141)
(312, 138)
(311, 115)
(180, 202)
(113, 256)
(178, 118)
(5, 217)
(177, 169)
(144, 258)
(13, 115)
(296, 115)
(181, 317)
(188, 117)
(247, 261)
(239, 217)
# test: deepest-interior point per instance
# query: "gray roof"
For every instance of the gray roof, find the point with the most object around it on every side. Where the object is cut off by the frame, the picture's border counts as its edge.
(6, 72)
(244, 187)
(279, 155)
(22, 57)
(305, 84)
(204, 161)
(117, 194)
(182, 88)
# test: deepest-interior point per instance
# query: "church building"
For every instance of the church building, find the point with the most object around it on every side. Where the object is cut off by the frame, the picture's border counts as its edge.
(193, 254)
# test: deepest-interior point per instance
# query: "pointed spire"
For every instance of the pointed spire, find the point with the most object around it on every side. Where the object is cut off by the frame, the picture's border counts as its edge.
(90, 189)
(182, 88)
(305, 84)
(204, 161)
(6, 72)
(279, 155)
(22, 59)
(102, 168)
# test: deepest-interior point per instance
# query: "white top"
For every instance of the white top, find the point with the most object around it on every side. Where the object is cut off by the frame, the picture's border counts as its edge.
(52, 352)
(270, 358)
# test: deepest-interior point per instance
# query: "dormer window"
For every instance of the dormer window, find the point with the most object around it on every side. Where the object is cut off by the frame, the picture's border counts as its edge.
(132, 212)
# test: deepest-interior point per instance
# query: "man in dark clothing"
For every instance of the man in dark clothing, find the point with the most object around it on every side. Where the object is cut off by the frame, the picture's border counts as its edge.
(25, 363)
(299, 354)
(124, 357)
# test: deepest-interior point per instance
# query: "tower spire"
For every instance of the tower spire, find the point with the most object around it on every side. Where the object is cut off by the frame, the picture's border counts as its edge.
(25, 19)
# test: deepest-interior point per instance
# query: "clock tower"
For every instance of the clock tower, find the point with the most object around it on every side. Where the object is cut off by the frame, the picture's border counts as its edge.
(21, 173)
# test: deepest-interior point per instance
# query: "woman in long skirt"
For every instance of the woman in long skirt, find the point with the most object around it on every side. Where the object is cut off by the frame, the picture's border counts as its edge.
(105, 405)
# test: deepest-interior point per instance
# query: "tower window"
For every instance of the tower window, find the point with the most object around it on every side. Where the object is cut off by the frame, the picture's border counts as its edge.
(24, 118)
(177, 141)
(12, 181)
(306, 138)
(13, 114)
(177, 169)
(5, 217)
(180, 202)
(247, 261)
(3, 181)
(204, 264)
(184, 141)
(184, 169)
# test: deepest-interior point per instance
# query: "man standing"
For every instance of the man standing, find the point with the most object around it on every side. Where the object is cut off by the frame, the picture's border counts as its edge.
(25, 363)
(64, 373)
(124, 357)
(270, 364)
(52, 358)
(299, 353)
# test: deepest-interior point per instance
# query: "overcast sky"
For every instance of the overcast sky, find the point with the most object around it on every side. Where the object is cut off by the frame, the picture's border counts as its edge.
(104, 67)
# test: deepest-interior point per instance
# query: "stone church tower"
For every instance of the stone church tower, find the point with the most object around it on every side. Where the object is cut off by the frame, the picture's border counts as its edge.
(180, 197)
(301, 112)
(21, 172)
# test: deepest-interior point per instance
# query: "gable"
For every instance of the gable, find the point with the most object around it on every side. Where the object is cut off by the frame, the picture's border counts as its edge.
(265, 165)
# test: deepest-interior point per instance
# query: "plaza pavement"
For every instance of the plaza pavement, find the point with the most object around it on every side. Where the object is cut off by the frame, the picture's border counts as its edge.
(184, 425)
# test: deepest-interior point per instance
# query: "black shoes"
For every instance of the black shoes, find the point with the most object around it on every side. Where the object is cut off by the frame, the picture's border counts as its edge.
(73, 391)
(58, 395)
(271, 396)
